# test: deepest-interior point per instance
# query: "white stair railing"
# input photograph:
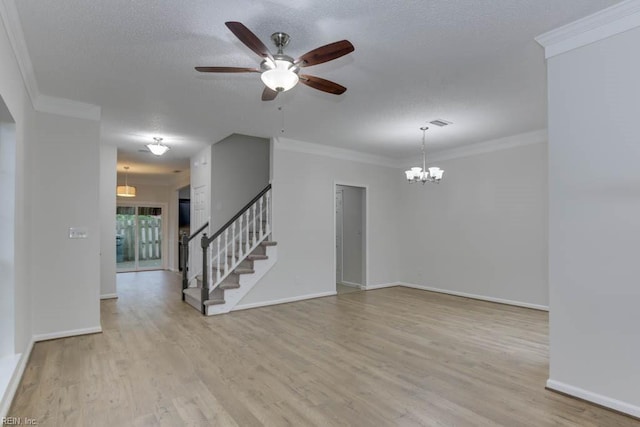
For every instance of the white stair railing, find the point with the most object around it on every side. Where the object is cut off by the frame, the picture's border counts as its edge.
(232, 243)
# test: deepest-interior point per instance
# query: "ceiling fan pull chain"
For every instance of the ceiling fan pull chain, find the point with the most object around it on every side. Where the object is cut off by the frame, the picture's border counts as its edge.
(281, 109)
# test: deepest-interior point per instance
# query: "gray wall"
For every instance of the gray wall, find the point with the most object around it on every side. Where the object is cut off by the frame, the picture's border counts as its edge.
(483, 229)
(594, 220)
(239, 171)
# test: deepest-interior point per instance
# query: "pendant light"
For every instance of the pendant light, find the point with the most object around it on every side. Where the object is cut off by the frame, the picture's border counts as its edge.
(126, 190)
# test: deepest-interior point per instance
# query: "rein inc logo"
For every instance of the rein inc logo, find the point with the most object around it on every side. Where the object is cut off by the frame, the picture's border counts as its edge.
(18, 421)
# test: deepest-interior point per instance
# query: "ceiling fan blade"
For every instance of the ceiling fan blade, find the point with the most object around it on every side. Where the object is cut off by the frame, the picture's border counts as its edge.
(326, 53)
(227, 70)
(269, 94)
(322, 84)
(249, 39)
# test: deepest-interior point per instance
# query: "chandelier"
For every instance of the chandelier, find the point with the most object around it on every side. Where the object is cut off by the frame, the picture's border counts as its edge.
(422, 174)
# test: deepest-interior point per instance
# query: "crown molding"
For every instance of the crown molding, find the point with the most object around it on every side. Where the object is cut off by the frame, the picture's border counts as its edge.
(333, 152)
(67, 107)
(520, 140)
(608, 22)
(40, 102)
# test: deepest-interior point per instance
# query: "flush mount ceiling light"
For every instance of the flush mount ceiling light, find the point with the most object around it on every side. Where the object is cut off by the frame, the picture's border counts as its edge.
(157, 147)
(126, 190)
(422, 174)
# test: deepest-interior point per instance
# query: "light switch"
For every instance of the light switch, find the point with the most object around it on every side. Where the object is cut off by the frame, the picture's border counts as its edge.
(78, 232)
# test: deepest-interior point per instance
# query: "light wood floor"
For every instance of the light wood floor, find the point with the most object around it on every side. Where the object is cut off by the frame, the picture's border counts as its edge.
(390, 357)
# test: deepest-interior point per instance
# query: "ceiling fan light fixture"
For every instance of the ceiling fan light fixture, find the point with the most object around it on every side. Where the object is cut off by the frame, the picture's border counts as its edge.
(281, 78)
(157, 147)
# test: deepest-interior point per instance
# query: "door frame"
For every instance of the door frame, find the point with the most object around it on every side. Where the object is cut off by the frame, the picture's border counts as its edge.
(165, 235)
(366, 227)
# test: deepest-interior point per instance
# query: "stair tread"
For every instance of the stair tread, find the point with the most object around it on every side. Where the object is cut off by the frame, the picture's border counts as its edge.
(196, 294)
(228, 285)
(268, 243)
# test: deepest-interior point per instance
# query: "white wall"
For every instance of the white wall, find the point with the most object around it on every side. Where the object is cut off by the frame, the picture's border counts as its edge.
(239, 171)
(594, 221)
(108, 162)
(483, 229)
(7, 231)
(353, 234)
(303, 223)
(65, 272)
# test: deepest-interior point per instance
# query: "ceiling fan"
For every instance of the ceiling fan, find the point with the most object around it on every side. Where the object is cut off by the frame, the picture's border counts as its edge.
(280, 72)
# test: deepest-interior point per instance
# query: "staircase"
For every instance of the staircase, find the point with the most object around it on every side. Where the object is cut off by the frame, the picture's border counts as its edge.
(234, 258)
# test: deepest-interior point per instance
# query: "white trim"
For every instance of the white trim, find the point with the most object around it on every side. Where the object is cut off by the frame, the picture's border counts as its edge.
(381, 286)
(598, 399)
(67, 107)
(333, 152)
(40, 102)
(13, 27)
(65, 334)
(513, 141)
(608, 22)
(12, 387)
(109, 296)
(352, 285)
(478, 297)
(283, 301)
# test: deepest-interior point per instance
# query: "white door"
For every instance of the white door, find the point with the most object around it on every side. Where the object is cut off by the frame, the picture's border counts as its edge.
(338, 235)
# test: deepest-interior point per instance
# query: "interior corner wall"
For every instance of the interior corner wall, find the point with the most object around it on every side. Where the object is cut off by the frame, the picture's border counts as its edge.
(239, 171)
(108, 165)
(594, 221)
(65, 272)
(14, 94)
(483, 230)
(303, 224)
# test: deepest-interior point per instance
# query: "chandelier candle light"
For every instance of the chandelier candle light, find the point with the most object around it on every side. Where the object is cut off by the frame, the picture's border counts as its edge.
(157, 147)
(422, 174)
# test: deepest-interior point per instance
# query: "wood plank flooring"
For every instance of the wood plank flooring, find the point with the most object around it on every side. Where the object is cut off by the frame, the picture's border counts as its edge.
(390, 357)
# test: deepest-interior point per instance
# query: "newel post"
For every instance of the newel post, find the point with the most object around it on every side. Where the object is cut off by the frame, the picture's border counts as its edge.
(204, 242)
(184, 262)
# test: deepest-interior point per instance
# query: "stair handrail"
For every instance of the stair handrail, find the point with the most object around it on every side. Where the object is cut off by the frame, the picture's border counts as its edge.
(184, 261)
(247, 211)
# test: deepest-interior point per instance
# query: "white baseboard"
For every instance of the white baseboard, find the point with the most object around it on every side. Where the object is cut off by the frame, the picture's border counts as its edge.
(65, 334)
(598, 399)
(283, 301)
(478, 297)
(380, 286)
(14, 382)
(352, 285)
(108, 296)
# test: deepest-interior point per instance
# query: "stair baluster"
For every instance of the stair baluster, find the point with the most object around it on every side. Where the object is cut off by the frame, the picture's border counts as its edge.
(233, 243)
(268, 213)
(219, 262)
(226, 250)
(261, 214)
(246, 229)
(255, 238)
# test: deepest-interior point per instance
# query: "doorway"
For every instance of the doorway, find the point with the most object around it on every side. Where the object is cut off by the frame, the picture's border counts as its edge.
(350, 237)
(140, 245)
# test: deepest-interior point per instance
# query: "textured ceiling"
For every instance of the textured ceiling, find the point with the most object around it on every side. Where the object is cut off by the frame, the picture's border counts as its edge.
(471, 62)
